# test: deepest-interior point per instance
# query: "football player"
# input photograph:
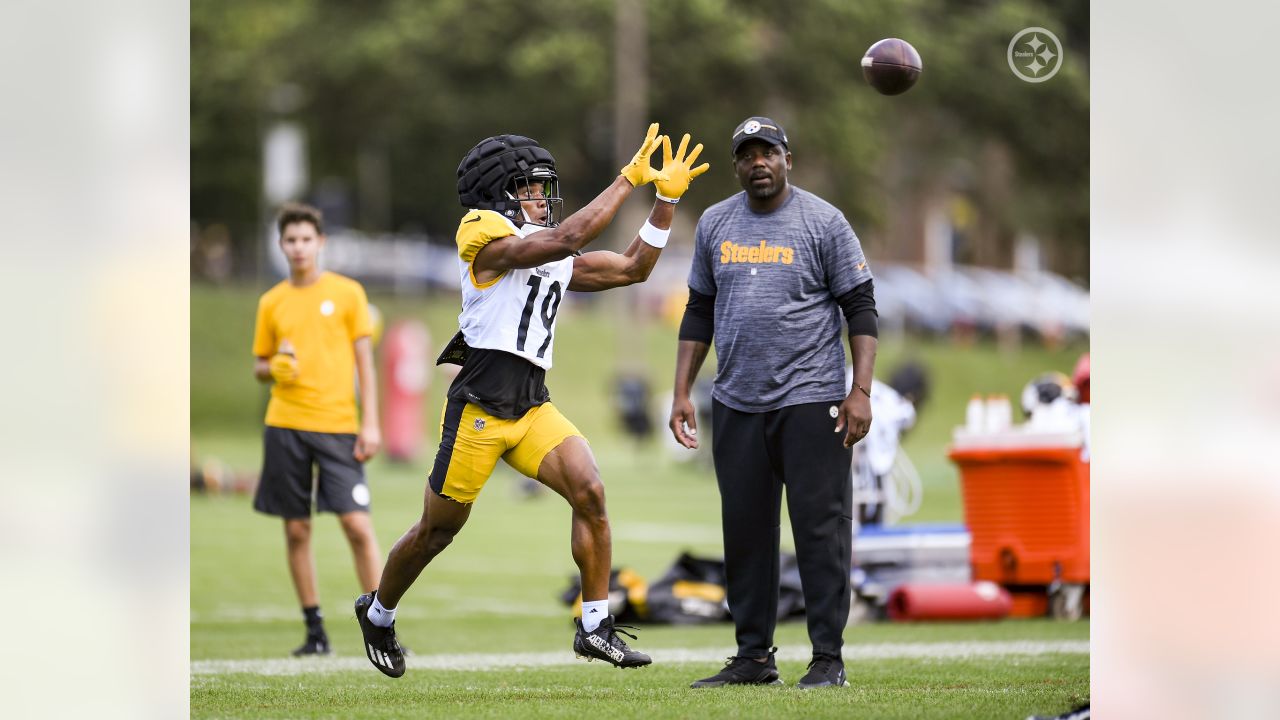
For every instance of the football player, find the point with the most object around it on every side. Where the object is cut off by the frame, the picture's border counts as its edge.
(516, 259)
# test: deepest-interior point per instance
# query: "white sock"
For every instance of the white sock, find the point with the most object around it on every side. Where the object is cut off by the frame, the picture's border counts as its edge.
(379, 615)
(593, 612)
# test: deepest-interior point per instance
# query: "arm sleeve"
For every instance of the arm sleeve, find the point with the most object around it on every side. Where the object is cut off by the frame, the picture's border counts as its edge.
(358, 322)
(264, 336)
(859, 307)
(699, 318)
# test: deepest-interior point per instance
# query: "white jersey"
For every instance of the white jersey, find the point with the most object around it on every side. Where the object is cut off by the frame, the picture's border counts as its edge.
(515, 313)
(891, 415)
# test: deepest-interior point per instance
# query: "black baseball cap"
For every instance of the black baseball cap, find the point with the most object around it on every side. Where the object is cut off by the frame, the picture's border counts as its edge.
(758, 128)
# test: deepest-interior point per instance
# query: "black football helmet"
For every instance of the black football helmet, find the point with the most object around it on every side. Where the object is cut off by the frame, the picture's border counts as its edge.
(1044, 390)
(501, 168)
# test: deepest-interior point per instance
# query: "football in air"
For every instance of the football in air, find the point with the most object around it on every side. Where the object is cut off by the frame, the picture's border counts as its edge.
(891, 66)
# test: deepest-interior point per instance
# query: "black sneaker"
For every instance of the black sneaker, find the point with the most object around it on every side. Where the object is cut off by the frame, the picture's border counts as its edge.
(316, 644)
(740, 670)
(379, 642)
(1080, 713)
(824, 671)
(604, 644)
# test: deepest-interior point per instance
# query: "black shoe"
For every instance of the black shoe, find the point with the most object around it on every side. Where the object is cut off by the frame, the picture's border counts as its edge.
(1080, 713)
(380, 644)
(604, 644)
(824, 671)
(743, 671)
(316, 644)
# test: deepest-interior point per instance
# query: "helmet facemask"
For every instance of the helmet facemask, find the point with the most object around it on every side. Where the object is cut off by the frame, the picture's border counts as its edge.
(542, 186)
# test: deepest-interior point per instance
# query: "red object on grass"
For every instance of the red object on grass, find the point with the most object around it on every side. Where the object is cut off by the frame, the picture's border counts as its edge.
(1080, 378)
(974, 601)
(405, 378)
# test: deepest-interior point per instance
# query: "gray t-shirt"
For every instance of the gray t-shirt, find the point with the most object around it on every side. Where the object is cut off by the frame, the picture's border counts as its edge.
(775, 277)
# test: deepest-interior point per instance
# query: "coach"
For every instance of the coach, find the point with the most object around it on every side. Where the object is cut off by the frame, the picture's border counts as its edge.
(774, 269)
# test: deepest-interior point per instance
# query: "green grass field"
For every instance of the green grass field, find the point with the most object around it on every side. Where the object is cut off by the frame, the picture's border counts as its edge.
(490, 637)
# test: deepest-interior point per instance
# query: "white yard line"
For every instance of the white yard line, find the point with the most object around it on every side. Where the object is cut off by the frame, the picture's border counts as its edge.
(472, 661)
(272, 614)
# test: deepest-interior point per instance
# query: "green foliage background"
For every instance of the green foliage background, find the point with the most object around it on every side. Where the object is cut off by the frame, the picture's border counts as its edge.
(423, 80)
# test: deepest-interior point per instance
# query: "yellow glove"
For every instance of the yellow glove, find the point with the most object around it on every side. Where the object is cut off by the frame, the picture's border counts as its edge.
(679, 174)
(638, 171)
(284, 368)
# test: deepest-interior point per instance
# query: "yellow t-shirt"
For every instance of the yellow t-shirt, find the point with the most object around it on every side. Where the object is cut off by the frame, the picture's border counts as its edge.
(322, 321)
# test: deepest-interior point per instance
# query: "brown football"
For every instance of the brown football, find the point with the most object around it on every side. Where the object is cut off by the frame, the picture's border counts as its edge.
(891, 66)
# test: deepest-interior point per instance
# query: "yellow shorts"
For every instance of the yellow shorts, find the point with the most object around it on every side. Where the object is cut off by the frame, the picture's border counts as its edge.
(472, 440)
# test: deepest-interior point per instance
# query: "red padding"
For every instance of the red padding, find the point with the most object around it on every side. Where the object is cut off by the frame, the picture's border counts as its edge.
(977, 601)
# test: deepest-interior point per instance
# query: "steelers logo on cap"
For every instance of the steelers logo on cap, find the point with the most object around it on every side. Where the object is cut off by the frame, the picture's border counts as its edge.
(752, 127)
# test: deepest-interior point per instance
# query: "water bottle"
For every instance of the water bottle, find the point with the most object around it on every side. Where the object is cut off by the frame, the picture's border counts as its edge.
(974, 415)
(999, 415)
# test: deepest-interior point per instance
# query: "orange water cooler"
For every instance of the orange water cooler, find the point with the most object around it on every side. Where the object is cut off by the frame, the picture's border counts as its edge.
(1026, 504)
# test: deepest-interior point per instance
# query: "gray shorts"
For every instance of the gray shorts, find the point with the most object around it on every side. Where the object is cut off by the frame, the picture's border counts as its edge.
(288, 481)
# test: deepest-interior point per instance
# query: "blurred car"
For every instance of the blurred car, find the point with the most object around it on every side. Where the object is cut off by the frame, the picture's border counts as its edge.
(902, 289)
(1039, 303)
(1007, 301)
(1061, 300)
(966, 299)
(891, 310)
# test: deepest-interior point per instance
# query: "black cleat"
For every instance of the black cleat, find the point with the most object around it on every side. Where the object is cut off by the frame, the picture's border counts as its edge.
(380, 644)
(824, 671)
(1080, 713)
(316, 644)
(604, 644)
(739, 670)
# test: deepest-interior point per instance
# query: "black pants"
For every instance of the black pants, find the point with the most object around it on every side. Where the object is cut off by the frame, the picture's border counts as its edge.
(756, 454)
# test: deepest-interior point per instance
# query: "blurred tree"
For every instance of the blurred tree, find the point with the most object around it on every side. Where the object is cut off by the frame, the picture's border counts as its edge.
(410, 85)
